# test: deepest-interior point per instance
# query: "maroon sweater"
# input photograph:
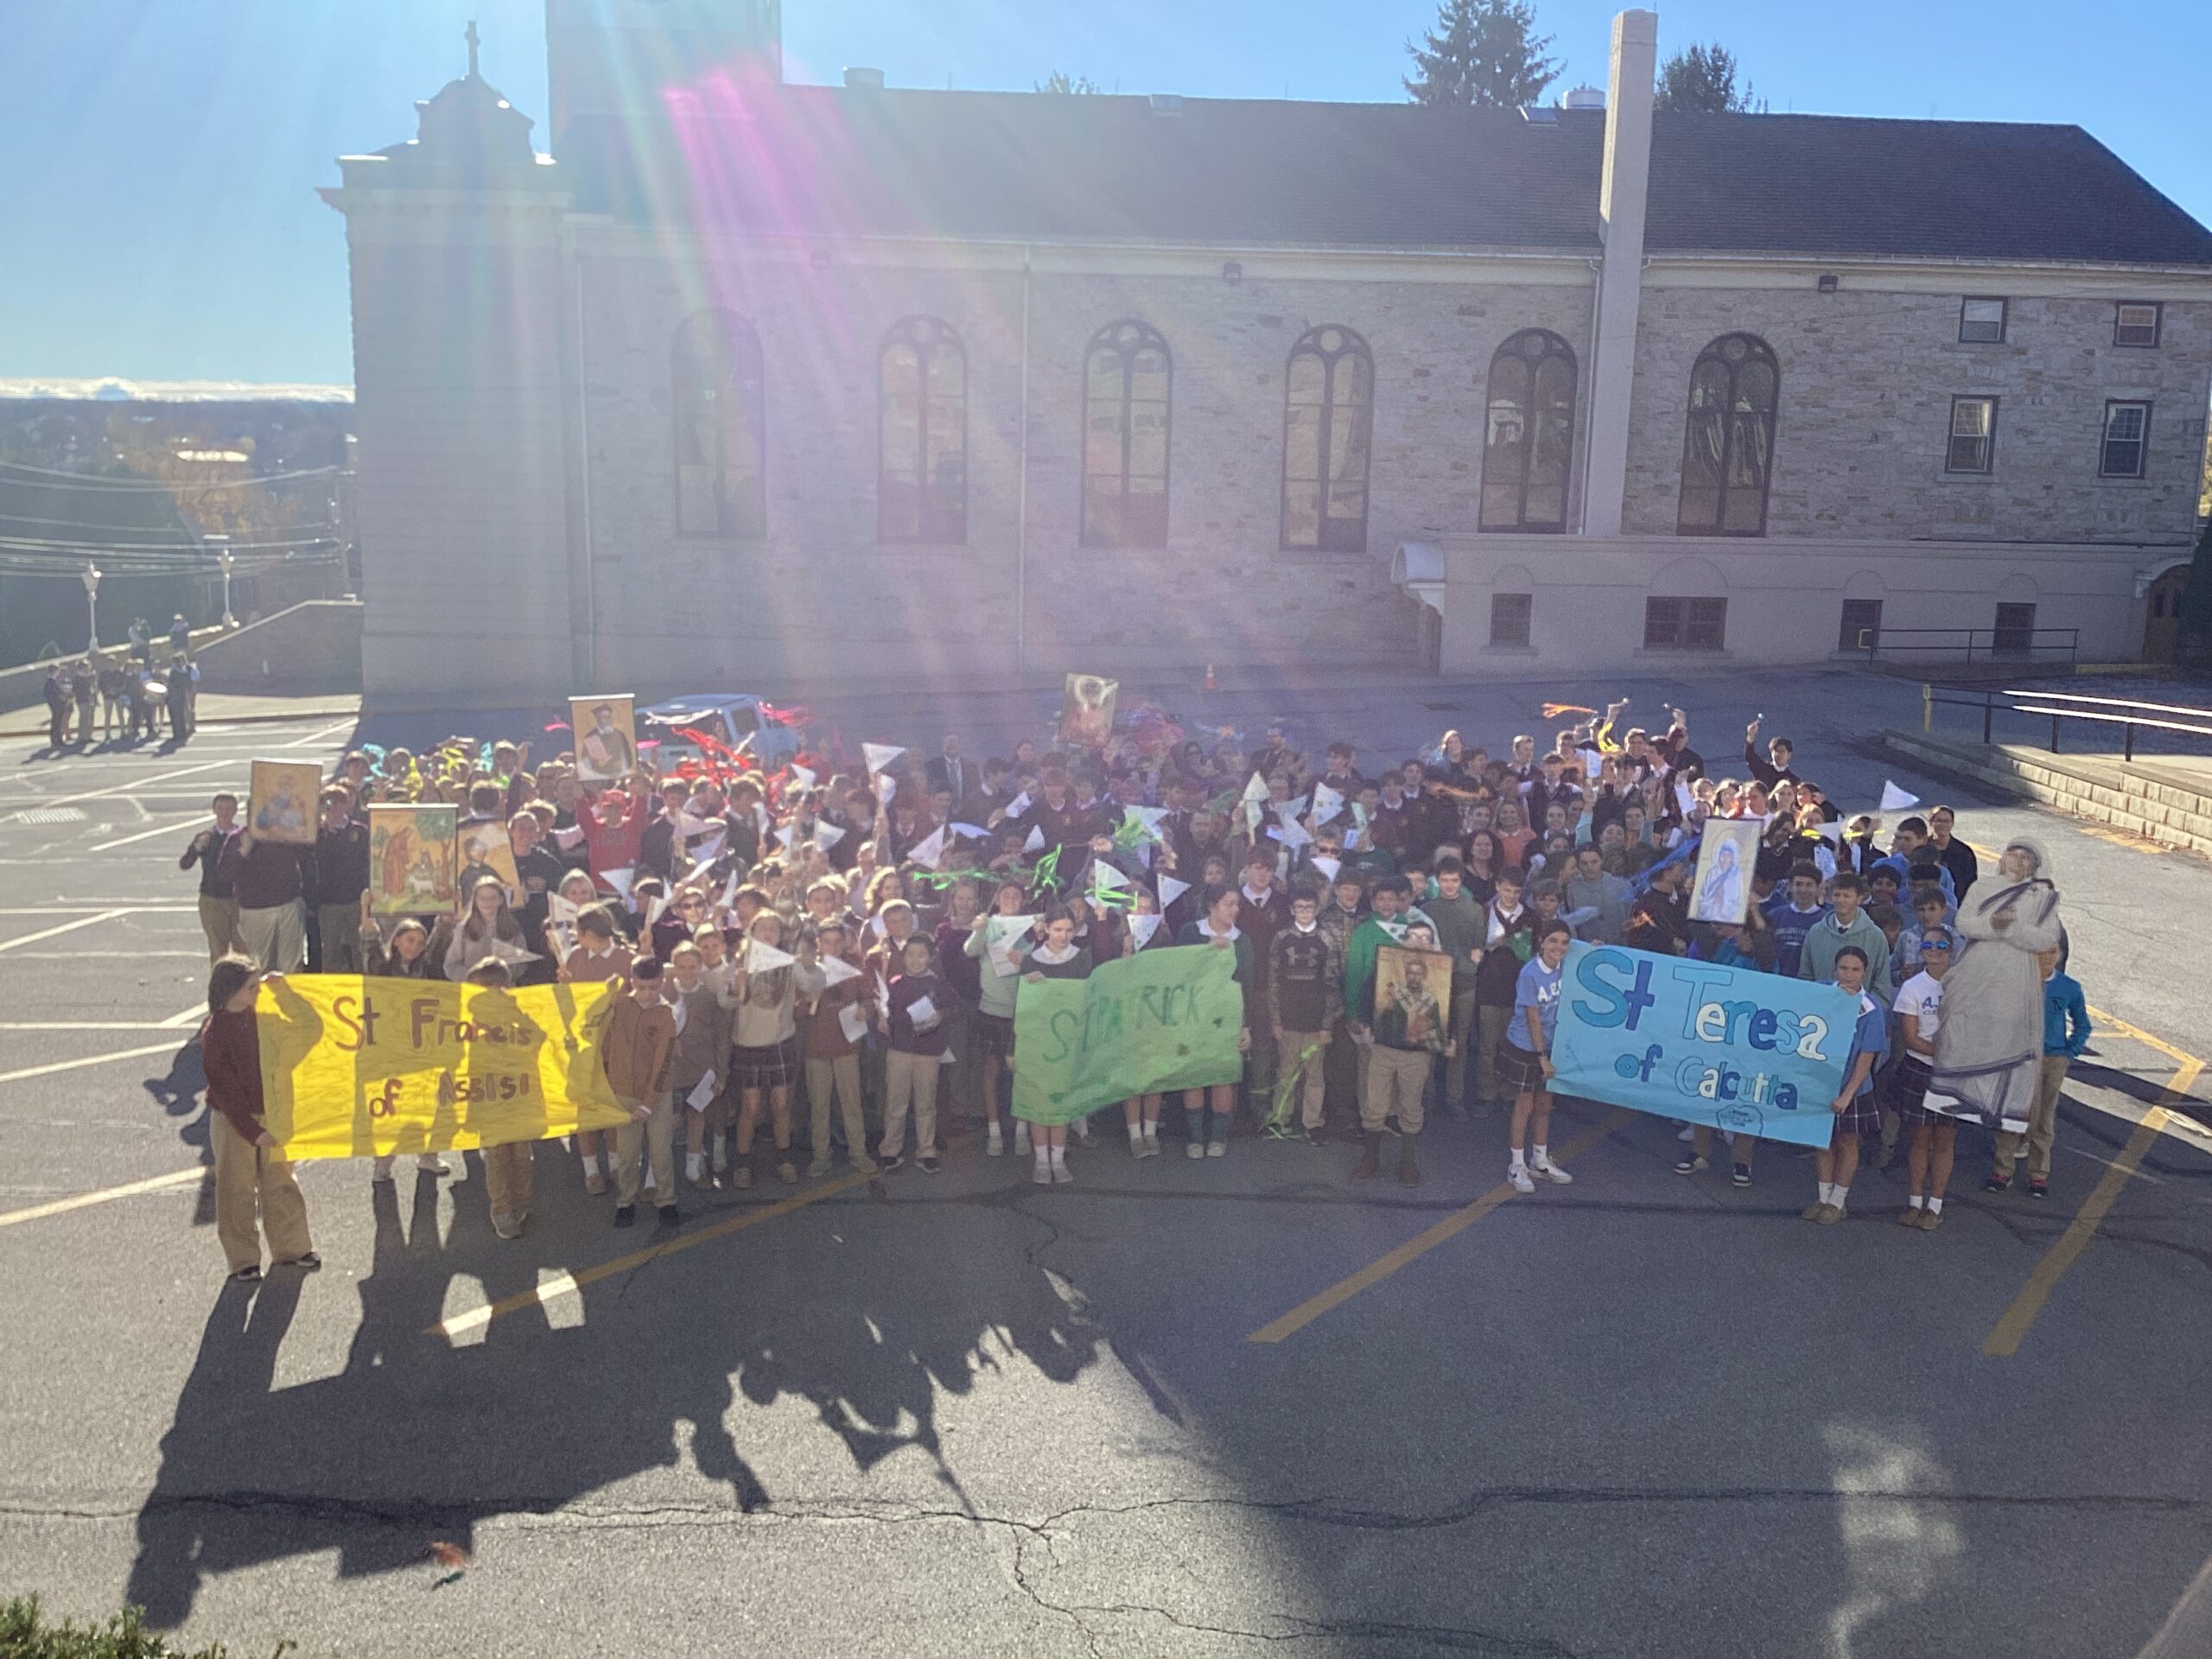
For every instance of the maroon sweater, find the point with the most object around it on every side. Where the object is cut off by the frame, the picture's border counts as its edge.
(230, 1054)
(263, 878)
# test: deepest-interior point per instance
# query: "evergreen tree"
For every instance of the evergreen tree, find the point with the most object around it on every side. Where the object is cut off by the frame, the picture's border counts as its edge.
(1482, 52)
(1702, 79)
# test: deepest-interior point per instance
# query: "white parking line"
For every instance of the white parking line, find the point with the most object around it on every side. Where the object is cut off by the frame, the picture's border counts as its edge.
(317, 737)
(145, 835)
(66, 927)
(102, 956)
(132, 789)
(152, 1184)
(66, 906)
(169, 1048)
(89, 1024)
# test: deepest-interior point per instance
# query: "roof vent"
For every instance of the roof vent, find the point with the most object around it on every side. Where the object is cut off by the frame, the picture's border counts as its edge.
(1540, 115)
(1168, 102)
(870, 81)
(1584, 98)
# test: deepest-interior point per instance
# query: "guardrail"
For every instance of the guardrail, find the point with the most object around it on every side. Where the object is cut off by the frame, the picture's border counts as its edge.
(1975, 644)
(2125, 713)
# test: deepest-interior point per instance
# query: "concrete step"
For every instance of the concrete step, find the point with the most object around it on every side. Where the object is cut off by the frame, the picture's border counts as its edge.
(2160, 801)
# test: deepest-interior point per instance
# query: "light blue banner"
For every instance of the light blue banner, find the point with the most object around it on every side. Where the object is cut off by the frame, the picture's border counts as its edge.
(1750, 1052)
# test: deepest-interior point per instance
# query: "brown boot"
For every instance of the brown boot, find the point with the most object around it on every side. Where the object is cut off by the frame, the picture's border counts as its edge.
(1409, 1170)
(1370, 1160)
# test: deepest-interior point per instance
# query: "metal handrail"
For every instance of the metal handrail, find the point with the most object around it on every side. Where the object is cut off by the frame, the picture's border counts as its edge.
(2017, 702)
(1873, 640)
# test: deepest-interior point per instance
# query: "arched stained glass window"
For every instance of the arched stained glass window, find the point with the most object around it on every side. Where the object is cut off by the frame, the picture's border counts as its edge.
(921, 492)
(721, 427)
(1728, 440)
(1127, 379)
(1328, 429)
(1529, 433)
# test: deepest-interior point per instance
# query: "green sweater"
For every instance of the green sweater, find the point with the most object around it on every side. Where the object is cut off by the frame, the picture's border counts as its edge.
(1824, 939)
(1461, 925)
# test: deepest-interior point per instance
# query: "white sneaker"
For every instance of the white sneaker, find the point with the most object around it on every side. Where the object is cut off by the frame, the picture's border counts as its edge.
(1687, 1134)
(1060, 1174)
(1021, 1138)
(1216, 1149)
(429, 1163)
(995, 1145)
(1194, 1149)
(1523, 1181)
(1042, 1174)
(1552, 1173)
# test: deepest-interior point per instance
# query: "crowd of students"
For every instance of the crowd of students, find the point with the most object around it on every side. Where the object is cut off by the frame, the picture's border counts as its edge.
(806, 967)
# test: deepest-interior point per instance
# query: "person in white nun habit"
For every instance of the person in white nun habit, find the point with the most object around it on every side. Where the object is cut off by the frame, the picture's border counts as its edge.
(1989, 1049)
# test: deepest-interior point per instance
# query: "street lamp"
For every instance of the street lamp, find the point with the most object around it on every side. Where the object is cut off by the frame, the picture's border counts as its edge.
(91, 577)
(226, 561)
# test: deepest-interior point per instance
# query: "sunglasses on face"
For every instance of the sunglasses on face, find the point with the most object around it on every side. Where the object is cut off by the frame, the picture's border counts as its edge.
(1935, 945)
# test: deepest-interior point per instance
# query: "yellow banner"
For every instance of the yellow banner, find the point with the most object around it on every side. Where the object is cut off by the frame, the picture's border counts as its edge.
(353, 1067)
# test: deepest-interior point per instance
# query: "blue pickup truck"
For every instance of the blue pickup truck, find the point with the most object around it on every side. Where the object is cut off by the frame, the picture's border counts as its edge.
(732, 719)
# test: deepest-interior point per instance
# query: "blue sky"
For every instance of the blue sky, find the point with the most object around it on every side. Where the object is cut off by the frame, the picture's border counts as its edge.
(161, 156)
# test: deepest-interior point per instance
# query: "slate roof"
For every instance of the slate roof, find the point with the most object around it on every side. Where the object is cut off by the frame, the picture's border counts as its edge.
(825, 161)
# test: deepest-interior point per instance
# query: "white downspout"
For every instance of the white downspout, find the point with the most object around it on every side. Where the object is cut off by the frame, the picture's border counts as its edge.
(583, 434)
(1623, 195)
(1022, 510)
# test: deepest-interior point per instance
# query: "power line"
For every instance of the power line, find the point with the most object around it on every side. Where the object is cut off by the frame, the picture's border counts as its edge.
(91, 481)
(78, 523)
(47, 544)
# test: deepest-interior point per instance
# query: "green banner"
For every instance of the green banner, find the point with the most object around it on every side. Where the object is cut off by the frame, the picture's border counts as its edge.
(1144, 1024)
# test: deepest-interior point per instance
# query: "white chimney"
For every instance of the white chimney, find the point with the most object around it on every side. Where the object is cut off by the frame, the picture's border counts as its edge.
(1622, 192)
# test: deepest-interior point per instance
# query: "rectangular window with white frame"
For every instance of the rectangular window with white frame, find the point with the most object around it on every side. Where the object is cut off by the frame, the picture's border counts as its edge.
(2135, 322)
(1972, 448)
(1981, 321)
(2126, 445)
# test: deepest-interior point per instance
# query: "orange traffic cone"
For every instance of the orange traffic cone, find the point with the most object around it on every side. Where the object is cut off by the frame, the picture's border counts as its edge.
(1209, 685)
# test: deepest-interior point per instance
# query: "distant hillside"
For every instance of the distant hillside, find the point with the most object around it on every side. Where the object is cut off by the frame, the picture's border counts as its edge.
(137, 484)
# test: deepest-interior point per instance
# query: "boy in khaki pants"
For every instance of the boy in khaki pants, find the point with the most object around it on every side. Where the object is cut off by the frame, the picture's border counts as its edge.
(640, 1046)
(508, 1176)
(247, 1168)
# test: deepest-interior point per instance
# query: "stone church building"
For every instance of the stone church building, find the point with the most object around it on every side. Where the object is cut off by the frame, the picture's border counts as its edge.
(747, 384)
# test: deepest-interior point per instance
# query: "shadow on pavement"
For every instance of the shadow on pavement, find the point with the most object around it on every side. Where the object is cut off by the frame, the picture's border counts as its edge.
(418, 1439)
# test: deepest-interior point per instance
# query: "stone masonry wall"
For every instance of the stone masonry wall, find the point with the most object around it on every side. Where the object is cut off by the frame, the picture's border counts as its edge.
(1867, 378)
(1222, 591)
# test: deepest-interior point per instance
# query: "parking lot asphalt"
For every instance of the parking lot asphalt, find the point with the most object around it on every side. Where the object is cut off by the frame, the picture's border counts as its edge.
(959, 1414)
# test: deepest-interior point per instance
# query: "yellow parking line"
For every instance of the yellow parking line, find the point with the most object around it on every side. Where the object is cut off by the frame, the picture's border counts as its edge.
(2004, 1337)
(1421, 1243)
(567, 1284)
(129, 1189)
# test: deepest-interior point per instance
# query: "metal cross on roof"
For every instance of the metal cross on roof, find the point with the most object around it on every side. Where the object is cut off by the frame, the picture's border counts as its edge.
(469, 34)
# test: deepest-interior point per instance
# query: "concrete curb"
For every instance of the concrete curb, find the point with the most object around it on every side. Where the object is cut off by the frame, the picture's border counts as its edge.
(218, 720)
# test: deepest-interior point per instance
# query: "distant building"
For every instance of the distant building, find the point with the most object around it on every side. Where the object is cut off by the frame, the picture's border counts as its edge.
(746, 379)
